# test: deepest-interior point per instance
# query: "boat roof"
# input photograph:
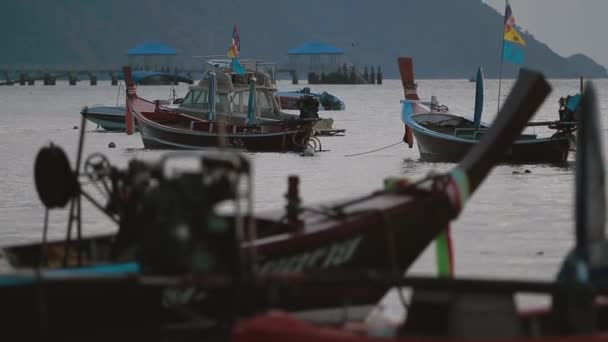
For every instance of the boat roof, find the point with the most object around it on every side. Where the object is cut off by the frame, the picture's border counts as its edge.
(229, 80)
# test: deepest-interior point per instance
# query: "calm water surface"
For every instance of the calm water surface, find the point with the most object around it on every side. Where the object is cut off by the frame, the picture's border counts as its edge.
(515, 226)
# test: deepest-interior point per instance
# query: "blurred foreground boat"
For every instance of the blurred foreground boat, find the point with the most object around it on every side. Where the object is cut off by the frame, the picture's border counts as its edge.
(485, 310)
(178, 265)
(443, 136)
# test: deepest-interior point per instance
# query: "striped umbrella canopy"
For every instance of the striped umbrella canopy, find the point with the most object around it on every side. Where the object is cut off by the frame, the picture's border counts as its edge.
(211, 97)
(251, 118)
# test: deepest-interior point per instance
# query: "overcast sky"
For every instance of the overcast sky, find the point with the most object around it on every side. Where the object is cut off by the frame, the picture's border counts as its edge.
(567, 26)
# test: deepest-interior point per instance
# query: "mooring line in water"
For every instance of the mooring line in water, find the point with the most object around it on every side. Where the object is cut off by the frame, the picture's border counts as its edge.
(376, 150)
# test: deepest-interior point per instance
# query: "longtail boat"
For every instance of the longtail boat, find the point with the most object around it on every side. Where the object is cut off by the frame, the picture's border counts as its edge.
(192, 103)
(443, 136)
(176, 260)
(225, 92)
(446, 309)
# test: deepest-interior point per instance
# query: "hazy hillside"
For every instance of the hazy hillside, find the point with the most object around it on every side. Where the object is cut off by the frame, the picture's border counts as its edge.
(447, 38)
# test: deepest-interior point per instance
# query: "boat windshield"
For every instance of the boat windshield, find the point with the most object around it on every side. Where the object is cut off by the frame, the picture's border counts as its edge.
(264, 104)
(199, 99)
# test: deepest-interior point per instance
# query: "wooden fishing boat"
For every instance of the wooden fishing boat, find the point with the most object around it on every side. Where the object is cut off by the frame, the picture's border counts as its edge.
(192, 103)
(165, 128)
(443, 136)
(189, 269)
(485, 310)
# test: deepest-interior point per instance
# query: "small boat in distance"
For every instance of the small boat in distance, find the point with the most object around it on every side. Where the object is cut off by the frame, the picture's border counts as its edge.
(443, 136)
(110, 118)
(289, 99)
(158, 78)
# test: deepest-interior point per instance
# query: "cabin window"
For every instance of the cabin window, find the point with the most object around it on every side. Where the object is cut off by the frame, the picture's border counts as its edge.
(222, 103)
(264, 104)
(197, 98)
(240, 102)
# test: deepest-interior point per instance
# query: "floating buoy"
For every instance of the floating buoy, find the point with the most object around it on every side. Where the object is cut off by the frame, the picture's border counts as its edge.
(75, 127)
(516, 172)
(111, 145)
(540, 253)
(528, 171)
(308, 152)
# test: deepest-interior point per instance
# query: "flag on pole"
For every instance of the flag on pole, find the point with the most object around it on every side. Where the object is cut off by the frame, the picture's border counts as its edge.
(512, 40)
(235, 48)
(237, 67)
(234, 51)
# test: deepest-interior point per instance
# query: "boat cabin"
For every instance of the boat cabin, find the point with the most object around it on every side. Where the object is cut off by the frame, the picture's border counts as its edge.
(232, 96)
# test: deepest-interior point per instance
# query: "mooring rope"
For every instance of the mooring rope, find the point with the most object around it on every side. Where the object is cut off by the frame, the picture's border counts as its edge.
(376, 150)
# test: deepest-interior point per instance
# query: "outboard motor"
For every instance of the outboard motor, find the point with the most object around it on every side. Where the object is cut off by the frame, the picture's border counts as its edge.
(169, 222)
(309, 107)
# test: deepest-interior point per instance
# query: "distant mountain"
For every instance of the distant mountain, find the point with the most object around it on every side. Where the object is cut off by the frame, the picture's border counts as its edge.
(447, 38)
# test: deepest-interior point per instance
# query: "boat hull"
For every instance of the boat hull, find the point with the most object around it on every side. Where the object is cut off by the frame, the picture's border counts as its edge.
(155, 136)
(548, 150)
(360, 240)
(445, 137)
(110, 118)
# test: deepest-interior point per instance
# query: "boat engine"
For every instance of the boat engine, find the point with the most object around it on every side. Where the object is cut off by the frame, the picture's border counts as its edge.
(170, 224)
(174, 215)
(309, 107)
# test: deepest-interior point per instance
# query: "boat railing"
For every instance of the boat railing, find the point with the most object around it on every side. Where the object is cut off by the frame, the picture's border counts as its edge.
(249, 64)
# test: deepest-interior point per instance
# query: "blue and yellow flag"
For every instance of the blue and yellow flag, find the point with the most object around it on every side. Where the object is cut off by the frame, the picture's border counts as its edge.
(512, 40)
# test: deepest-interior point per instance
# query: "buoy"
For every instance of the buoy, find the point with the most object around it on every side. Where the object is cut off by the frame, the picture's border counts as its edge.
(540, 253)
(528, 171)
(308, 152)
(516, 172)
(111, 145)
(75, 127)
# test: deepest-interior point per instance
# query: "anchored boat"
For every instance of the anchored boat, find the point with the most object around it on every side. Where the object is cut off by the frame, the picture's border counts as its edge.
(446, 137)
(110, 118)
(232, 104)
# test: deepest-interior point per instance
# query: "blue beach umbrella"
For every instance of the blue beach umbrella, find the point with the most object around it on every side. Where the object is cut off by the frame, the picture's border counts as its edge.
(251, 118)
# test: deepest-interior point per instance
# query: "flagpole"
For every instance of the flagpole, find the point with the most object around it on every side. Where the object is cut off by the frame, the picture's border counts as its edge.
(502, 55)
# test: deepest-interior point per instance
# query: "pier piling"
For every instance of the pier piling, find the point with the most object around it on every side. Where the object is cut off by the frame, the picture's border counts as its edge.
(372, 77)
(73, 79)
